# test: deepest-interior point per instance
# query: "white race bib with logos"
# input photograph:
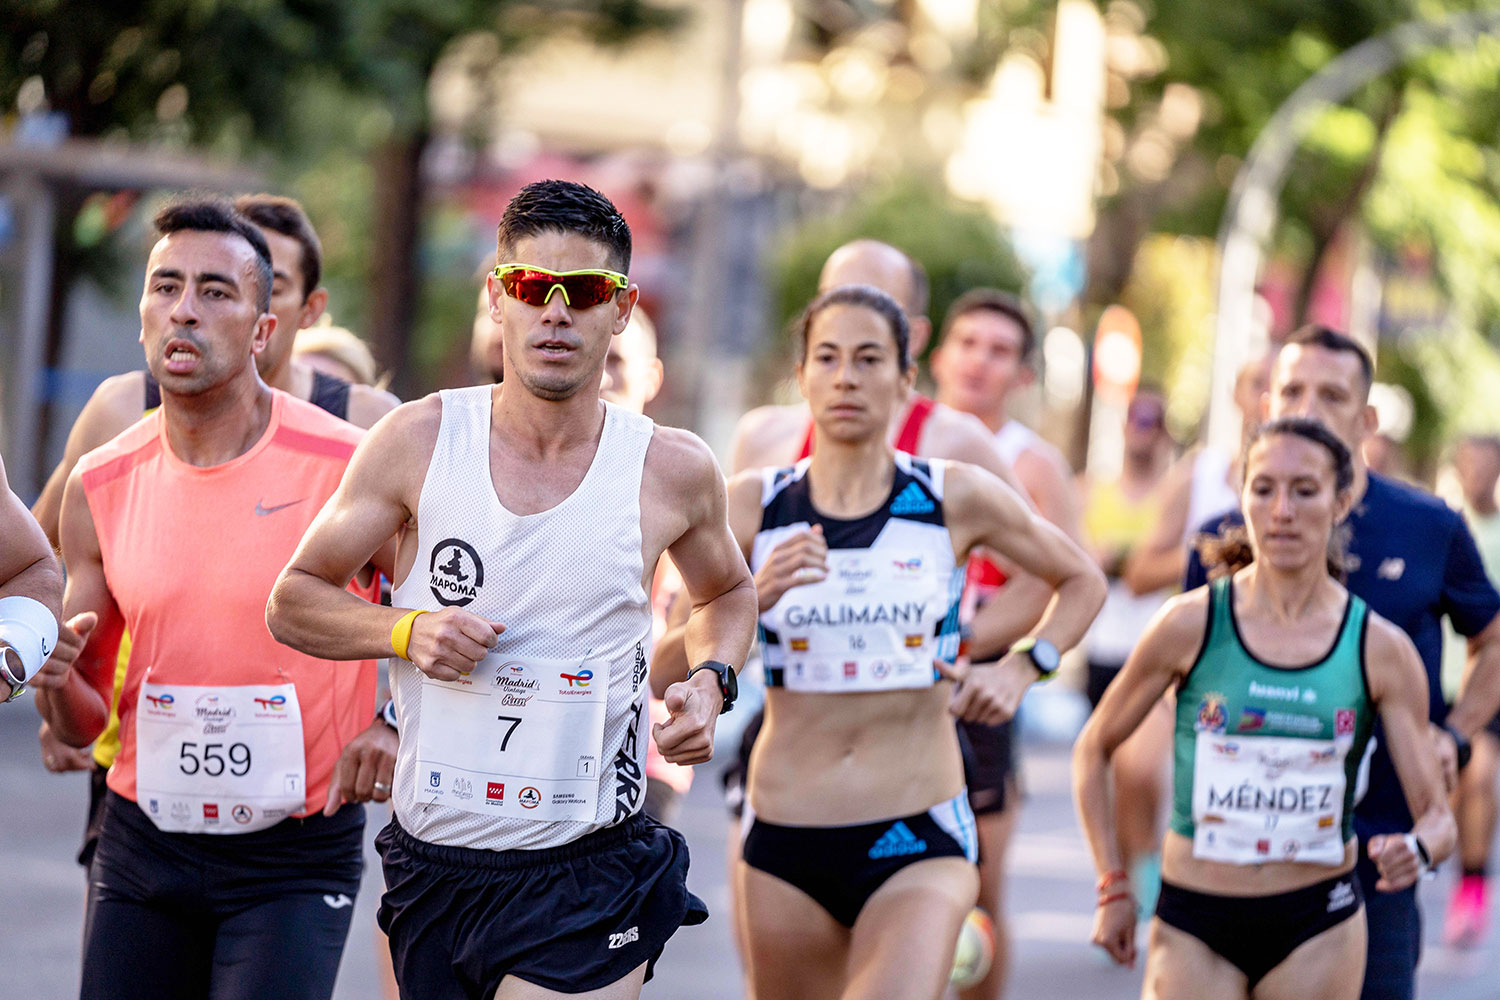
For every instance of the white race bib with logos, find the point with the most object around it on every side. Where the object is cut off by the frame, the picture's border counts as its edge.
(219, 759)
(867, 627)
(1267, 798)
(520, 737)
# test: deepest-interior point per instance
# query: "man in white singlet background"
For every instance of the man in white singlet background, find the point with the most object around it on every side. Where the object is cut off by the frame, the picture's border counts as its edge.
(983, 356)
(534, 515)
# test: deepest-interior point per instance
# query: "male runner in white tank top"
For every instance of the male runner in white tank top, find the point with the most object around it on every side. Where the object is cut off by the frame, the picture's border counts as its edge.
(534, 515)
(983, 356)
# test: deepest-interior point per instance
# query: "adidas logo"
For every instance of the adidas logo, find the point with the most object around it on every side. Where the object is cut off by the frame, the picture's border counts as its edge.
(912, 501)
(897, 842)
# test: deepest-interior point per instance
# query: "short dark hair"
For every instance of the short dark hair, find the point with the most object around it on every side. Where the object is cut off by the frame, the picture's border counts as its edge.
(994, 300)
(564, 207)
(868, 297)
(287, 217)
(210, 214)
(1329, 339)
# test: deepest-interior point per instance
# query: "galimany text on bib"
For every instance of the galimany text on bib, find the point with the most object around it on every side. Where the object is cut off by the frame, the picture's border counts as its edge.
(868, 626)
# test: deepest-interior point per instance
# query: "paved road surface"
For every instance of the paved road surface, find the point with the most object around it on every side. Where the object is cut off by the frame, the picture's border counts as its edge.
(1051, 891)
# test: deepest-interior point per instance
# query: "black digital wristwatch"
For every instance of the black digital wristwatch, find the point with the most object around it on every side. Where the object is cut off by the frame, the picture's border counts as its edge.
(729, 685)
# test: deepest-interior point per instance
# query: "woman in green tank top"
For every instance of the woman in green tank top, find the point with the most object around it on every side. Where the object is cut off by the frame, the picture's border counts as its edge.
(1279, 674)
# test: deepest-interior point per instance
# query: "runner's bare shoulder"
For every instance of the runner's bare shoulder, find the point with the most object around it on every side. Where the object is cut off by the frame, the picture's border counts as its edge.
(1177, 633)
(681, 465)
(769, 435)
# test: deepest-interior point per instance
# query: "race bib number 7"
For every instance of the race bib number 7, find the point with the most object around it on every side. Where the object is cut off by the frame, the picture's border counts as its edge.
(220, 760)
(518, 737)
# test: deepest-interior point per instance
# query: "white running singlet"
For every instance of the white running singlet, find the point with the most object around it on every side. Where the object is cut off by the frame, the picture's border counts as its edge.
(546, 740)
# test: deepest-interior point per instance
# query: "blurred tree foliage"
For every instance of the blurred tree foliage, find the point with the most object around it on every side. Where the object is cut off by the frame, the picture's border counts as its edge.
(334, 94)
(960, 246)
(1409, 159)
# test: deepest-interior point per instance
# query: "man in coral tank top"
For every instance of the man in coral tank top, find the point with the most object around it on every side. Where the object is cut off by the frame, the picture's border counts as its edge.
(215, 851)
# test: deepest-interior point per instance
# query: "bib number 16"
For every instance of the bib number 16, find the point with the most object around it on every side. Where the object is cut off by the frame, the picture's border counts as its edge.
(212, 759)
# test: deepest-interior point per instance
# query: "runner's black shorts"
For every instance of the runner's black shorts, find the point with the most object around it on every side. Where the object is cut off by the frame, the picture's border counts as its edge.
(989, 754)
(98, 776)
(184, 916)
(569, 919)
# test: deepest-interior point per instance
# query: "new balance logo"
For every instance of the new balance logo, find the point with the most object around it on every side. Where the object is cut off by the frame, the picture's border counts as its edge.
(338, 902)
(912, 501)
(897, 842)
(1340, 896)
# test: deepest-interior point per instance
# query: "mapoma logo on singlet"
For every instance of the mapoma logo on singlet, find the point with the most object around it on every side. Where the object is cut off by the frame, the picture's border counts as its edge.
(456, 574)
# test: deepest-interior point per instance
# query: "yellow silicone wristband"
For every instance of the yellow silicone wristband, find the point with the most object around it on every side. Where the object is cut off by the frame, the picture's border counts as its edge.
(401, 633)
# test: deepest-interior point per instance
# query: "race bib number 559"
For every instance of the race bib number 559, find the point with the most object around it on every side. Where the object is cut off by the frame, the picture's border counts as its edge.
(219, 759)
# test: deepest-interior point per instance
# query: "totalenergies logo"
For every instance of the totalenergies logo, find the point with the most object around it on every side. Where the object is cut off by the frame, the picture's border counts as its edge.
(580, 679)
(162, 701)
(275, 703)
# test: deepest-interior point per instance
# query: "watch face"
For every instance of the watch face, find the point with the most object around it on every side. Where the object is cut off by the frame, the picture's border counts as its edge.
(1045, 655)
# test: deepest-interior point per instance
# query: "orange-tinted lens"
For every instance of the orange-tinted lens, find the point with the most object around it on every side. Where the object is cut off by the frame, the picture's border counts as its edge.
(583, 291)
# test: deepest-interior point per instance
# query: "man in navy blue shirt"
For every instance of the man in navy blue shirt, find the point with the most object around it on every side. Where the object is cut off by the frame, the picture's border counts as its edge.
(1413, 561)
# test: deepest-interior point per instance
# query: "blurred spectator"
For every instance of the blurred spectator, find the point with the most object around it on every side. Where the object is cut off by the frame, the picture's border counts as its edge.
(1476, 463)
(1118, 516)
(336, 351)
(1385, 456)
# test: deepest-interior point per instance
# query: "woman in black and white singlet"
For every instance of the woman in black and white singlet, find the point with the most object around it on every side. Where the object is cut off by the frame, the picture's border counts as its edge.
(859, 848)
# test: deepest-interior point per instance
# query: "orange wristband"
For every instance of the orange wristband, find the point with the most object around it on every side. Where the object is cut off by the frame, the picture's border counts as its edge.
(401, 633)
(1110, 878)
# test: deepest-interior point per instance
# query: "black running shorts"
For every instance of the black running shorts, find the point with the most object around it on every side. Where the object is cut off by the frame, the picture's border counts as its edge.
(569, 919)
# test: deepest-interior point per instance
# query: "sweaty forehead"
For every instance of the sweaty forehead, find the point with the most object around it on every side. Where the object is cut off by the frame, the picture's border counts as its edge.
(194, 252)
(1311, 364)
(557, 250)
(990, 326)
(1289, 456)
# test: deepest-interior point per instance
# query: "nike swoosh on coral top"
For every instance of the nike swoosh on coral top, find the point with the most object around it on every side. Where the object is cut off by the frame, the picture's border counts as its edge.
(263, 511)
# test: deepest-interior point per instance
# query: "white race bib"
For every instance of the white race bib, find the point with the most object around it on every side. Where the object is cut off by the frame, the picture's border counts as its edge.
(867, 627)
(518, 737)
(219, 759)
(1267, 798)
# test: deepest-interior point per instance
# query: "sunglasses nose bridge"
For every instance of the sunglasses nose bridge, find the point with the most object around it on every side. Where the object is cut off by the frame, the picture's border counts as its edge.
(557, 286)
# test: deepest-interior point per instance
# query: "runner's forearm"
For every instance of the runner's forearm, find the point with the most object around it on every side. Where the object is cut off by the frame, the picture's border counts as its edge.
(722, 629)
(1479, 699)
(311, 615)
(1009, 616)
(1069, 616)
(76, 712)
(1437, 831)
(1092, 797)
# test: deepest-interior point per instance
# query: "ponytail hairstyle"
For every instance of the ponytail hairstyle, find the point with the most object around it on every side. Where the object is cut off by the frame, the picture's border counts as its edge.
(1230, 551)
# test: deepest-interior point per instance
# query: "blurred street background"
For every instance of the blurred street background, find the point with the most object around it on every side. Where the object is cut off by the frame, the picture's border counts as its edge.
(1171, 184)
(1050, 895)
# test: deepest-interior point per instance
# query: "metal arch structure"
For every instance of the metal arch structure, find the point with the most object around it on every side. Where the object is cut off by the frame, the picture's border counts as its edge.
(1250, 215)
